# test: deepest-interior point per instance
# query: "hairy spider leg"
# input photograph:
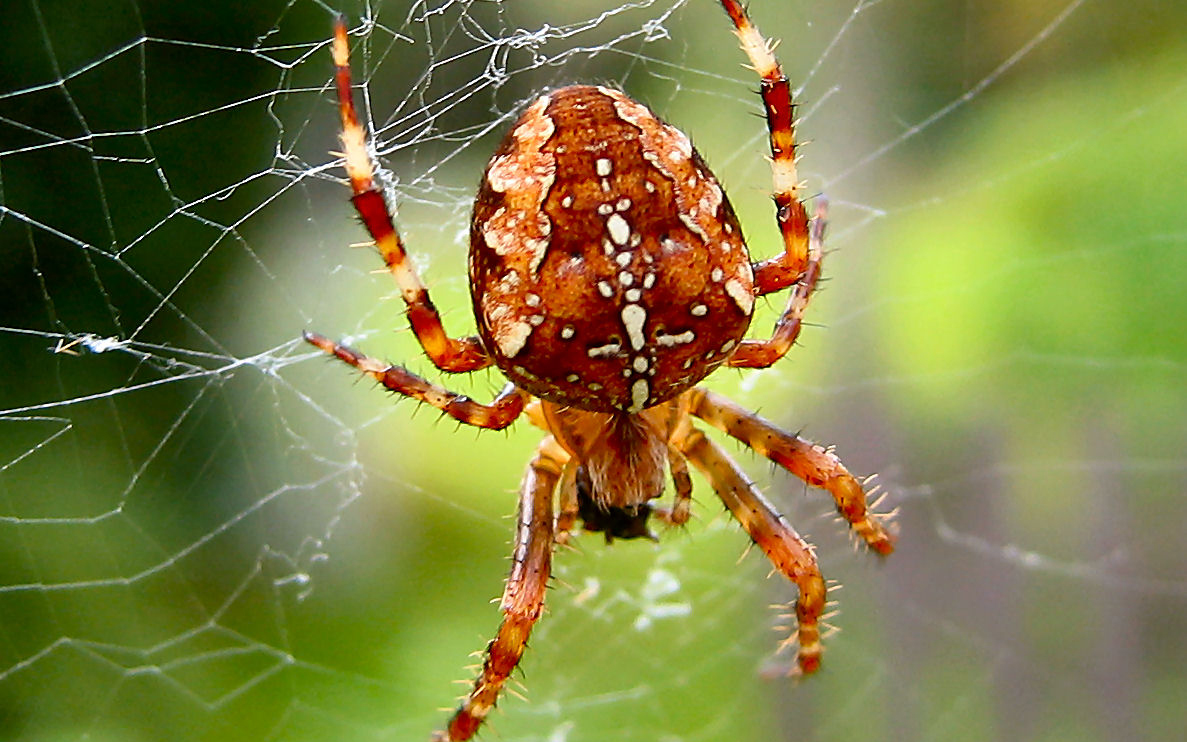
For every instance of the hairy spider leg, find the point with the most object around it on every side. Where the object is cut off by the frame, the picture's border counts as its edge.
(523, 598)
(810, 462)
(496, 416)
(568, 506)
(786, 550)
(763, 353)
(448, 354)
(798, 264)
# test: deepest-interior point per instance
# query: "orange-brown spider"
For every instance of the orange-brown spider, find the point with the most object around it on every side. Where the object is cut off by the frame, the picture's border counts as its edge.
(609, 275)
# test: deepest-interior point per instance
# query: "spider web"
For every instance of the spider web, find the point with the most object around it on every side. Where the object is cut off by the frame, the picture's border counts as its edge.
(209, 532)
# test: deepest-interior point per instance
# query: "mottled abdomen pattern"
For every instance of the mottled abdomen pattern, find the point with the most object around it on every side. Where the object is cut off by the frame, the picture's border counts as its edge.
(607, 268)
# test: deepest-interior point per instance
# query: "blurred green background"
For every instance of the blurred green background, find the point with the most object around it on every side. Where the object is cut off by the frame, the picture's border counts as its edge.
(209, 532)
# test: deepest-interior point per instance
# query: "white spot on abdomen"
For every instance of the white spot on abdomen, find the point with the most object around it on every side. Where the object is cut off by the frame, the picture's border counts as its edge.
(619, 230)
(669, 340)
(511, 337)
(633, 317)
(741, 295)
(604, 351)
(640, 391)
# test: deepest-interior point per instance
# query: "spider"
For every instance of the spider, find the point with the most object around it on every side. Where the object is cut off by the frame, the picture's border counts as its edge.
(608, 276)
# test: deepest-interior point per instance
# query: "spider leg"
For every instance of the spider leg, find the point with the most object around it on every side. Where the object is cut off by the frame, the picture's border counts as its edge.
(782, 270)
(763, 353)
(523, 598)
(448, 354)
(682, 507)
(497, 415)
(810, 462)
(788, 552)
(568, 505)
(799, 263)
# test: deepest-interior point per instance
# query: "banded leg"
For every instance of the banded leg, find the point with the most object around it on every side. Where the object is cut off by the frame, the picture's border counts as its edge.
(448, 354)
(497, 415)
(813, 464)
(789, 553)
(682, 507)
(568, 504)
(763, 353)
(523, 598)
(798, 263)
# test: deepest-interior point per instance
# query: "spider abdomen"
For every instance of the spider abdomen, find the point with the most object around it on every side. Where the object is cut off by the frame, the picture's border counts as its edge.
(607, 268)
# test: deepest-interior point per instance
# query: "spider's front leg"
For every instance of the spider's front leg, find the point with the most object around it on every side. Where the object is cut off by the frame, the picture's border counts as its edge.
(448, 354)
(803, 239)
(788, 552)
(764, 353)
(523, 598)
(496, 416)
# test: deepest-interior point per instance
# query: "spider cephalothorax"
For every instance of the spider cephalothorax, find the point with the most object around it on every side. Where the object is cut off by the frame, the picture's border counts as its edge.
(608, 277)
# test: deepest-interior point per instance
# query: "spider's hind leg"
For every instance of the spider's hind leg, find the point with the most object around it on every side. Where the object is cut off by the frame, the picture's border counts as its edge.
(788, 552)
(523, 597)
(812, 463)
